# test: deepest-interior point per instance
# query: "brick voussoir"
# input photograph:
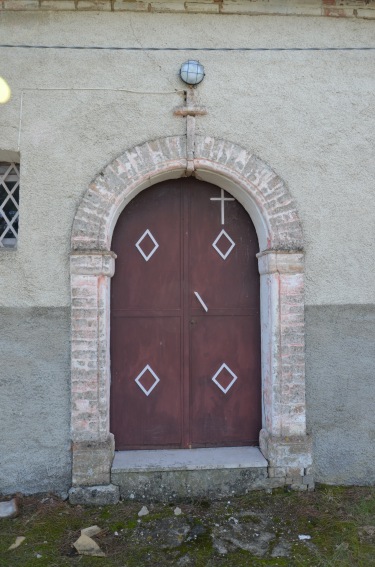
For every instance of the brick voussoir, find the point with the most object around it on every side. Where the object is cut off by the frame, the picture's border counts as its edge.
(216, 152)
(205, 163)
(142, 162)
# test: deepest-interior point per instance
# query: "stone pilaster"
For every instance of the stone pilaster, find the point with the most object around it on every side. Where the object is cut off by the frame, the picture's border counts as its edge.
(92, 443)
(283, 439)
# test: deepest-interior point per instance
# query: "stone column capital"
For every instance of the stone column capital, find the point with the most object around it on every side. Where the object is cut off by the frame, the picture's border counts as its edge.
(280, 261)
(93, 263)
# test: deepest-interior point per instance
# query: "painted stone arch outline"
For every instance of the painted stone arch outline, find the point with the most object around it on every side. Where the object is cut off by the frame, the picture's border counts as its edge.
(264, 195)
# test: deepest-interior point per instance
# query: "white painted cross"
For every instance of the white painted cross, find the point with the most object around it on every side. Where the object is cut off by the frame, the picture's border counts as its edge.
(222, 200)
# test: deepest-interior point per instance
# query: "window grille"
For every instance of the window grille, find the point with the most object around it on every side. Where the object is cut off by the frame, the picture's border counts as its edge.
(9, 199)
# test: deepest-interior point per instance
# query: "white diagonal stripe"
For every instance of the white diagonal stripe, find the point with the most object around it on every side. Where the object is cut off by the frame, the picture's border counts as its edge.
(201, 301)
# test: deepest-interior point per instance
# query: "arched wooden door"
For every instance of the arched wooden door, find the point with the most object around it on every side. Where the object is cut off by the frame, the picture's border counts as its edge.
(185, 324)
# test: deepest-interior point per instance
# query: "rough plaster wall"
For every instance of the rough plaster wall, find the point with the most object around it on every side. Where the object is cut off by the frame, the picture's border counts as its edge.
(34, 400)
(308, 114)
(340, 392)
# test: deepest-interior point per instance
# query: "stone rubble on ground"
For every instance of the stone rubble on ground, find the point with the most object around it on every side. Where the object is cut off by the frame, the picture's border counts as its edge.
(366, 533)
(9, 509)
(167, 533)
(17, 543)
(91, 531)
(87, 546)
(282, 549)
(184, 560)
(242, 536)
(219, 546)
(250, 531)
(195, 532)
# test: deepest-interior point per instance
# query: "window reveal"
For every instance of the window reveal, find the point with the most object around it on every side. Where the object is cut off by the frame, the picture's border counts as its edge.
(9, 202)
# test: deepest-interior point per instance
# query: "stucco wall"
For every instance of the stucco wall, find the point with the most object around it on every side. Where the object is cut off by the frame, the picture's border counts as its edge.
(340, 392)
(34, 400)
(309, 114)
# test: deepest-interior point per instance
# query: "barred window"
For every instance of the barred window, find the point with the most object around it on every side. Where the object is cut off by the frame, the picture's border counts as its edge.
(9, 199)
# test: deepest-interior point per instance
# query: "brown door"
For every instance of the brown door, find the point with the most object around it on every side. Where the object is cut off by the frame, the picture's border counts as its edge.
(185, 328)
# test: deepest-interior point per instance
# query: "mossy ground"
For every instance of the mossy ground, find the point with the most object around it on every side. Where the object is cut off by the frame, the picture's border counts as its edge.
(338, 520)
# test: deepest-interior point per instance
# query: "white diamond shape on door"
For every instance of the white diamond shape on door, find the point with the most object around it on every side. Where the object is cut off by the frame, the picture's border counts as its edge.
(138, 380)
(229, 250)
(138, 245)
(214, 379)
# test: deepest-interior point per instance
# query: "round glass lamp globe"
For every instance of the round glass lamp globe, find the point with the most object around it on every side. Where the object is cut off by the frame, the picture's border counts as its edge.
(5, 93)
(192, 72)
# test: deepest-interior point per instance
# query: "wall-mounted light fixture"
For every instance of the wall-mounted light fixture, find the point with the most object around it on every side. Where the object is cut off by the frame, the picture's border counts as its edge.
(192, 72)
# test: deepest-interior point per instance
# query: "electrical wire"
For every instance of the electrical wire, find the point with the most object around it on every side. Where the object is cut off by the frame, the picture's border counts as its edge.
(120, 90)
(221, 49)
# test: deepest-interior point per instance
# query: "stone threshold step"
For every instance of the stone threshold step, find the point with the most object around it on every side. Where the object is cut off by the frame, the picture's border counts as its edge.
(180, 474)
(188, 459)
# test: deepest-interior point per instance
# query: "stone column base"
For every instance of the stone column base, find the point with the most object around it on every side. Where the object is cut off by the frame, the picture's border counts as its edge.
(92, 462)
(289, 459)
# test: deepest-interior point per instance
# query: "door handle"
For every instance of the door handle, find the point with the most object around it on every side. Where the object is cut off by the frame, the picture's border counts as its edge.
(201, 301)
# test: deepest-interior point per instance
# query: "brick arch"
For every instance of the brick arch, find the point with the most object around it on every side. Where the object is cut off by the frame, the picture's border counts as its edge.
(253, 183)
(283, 440)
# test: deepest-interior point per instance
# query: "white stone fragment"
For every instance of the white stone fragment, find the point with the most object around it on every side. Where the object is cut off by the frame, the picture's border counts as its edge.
(87, 546)
(143, 511)
(17, 543)
(8, 509)
(91, 531)
(177, 511)
(303, 537)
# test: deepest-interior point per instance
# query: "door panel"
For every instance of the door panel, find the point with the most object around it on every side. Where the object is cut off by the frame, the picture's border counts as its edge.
(154, 283)
(229, 415)
(148, 417)
(146, 319)
(226, 276)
